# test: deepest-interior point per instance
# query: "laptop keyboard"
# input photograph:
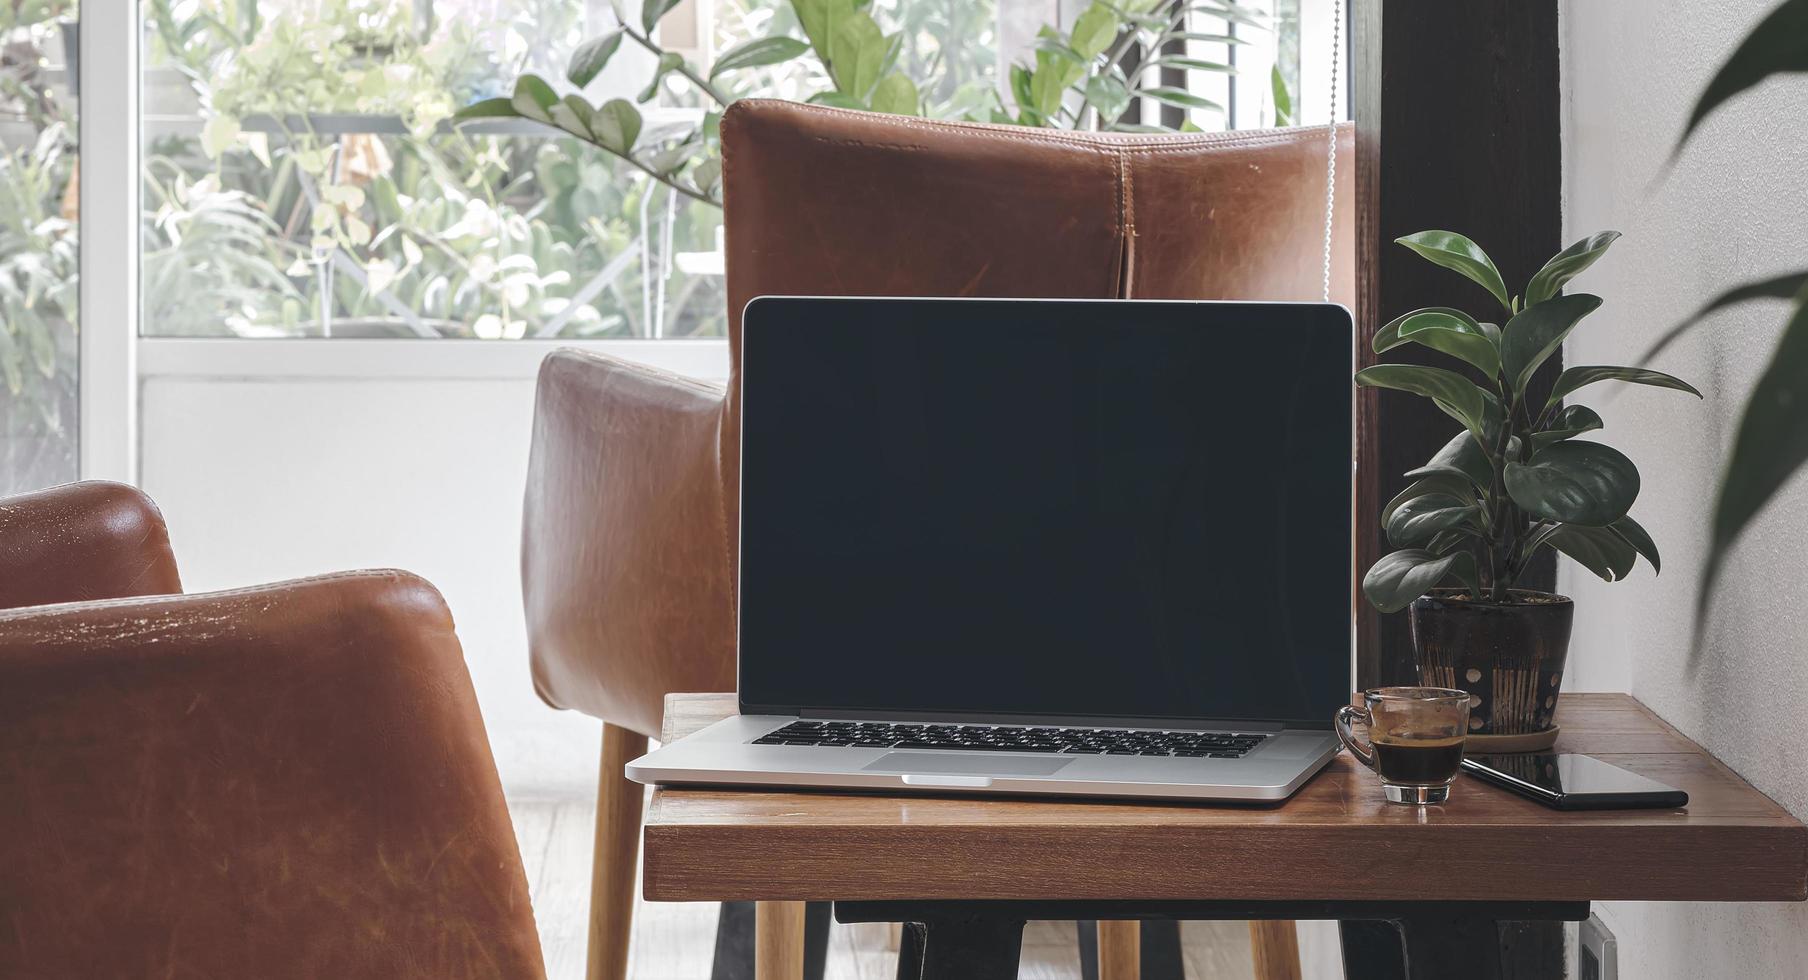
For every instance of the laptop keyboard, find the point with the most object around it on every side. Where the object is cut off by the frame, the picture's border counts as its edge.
(1007, 738)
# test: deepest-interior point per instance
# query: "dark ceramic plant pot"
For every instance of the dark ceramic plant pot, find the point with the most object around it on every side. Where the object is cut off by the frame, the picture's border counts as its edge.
(1509, 656)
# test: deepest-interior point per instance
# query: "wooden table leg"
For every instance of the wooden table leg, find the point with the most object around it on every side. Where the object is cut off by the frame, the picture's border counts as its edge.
(619, 804)
(1120, 949)
(778, 940)
(1274, 946)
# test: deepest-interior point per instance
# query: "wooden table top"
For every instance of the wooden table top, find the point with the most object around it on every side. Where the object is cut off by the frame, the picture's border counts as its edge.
(1335, 839)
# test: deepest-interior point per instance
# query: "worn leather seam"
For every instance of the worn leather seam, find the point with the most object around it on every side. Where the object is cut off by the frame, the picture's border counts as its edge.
(26, 612)
(734, 598)
(1129, 225)
(1134, 143)
(640, 368)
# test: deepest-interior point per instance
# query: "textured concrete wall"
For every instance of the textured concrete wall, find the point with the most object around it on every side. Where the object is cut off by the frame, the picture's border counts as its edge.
(1734, 209)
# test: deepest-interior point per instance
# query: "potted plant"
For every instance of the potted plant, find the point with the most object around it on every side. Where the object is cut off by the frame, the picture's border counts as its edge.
(1515, 479)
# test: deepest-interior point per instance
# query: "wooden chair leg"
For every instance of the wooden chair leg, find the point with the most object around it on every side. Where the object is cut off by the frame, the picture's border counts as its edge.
(619, 807)
(1120, 949)
(778, 940)
(1274, 945)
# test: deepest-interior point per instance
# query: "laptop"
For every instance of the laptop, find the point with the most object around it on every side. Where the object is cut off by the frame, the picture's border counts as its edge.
(1048, 547)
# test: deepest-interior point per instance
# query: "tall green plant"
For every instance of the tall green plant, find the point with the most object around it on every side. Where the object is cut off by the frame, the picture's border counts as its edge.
(1078, 79)
(1515, 479)
(1772, 441)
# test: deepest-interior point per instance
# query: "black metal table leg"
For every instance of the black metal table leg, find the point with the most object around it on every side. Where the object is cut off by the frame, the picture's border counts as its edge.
(1382, 940)
(1372, 950)
(734, 957)
(1161, 955)
(962, 947)
(1088, 932)
(734, 943)
(817, 916)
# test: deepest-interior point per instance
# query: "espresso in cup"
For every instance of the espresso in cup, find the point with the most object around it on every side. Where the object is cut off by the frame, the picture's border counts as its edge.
(1415, 739)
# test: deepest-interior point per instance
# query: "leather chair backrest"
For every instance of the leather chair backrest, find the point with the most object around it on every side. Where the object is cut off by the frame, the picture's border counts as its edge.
(80, 541)
(829, 202)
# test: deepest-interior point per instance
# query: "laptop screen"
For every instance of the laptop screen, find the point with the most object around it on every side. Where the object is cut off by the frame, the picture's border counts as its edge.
(1046, 509)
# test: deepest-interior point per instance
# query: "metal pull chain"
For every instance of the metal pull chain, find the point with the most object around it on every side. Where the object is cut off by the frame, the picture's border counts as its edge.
(1331, 139)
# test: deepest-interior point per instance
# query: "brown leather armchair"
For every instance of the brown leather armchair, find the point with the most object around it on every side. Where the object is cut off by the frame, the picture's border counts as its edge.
(628, 542)
(283, 781)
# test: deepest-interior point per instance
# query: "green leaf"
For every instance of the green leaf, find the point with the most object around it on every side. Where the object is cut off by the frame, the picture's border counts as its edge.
(1640, 539)
(706, 175)
(1537, 332)
(1196, 64)
(668, 63)
(1569, 423)
(1581, 375)
(497, 108)
(652, 10)
(1433, 483)
(1459, 254)
(1575, 483)
(1108, 95)
(1455, 395)
(1782, 287)
(1398, 578)
(572, 114)
(1443, 329)
(616, 125)
(590, 58)
(1567, 265)
(895, 94)
(534, 98)
(1425, 517)
(1461, 458)
(759, 52)
(1180, 97)
(1771, 446)
(857, 53)
(1207, 38)
(1779, 44)
(1597, 549)
(1023, 89)
(819, 18)
(1093, 31)
(1283, 99)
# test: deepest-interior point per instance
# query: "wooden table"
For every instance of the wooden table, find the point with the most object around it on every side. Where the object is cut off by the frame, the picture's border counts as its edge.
(972, 869)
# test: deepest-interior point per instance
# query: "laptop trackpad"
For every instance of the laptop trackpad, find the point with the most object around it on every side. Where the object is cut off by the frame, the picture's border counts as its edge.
(965, 765)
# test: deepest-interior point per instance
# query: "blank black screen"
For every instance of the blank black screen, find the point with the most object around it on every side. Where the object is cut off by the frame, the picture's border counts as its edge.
(1057, 509)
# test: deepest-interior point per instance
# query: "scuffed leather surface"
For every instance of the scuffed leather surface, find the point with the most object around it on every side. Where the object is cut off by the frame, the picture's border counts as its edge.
(625, 540)
(279, 782)
(83, 541)
(629, 593)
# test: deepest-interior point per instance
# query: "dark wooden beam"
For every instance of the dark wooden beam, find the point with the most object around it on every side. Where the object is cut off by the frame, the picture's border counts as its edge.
(1457, 122)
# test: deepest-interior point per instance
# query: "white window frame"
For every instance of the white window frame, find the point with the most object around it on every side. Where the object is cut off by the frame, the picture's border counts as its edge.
(115, 361)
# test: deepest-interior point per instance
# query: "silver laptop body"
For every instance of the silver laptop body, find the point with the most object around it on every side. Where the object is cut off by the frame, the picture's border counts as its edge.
(1129, 578)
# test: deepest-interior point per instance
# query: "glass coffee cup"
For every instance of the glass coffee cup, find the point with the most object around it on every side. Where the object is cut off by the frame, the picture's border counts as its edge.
(1415, 739)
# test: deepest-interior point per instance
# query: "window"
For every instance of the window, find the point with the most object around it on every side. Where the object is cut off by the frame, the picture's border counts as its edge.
(303, 178)
(39, 245)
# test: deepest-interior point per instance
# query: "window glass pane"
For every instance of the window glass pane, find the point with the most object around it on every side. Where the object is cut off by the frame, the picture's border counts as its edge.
(303, 178)
(39, 245)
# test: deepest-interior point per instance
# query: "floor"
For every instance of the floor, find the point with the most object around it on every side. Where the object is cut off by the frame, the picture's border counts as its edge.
(674, 941)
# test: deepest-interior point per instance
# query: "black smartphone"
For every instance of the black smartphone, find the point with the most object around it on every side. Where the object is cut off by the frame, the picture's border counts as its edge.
(1565, 781)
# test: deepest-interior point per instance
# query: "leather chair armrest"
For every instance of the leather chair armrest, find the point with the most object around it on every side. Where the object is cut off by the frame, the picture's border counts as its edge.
(625, 551)
(284, 781)
(83, 541)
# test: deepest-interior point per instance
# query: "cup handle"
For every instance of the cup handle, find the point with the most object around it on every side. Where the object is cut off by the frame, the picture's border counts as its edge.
(1364, 754)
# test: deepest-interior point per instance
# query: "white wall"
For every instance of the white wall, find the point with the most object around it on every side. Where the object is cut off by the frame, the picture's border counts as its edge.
(1734, 209)
(264, 480)
(280, 459)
